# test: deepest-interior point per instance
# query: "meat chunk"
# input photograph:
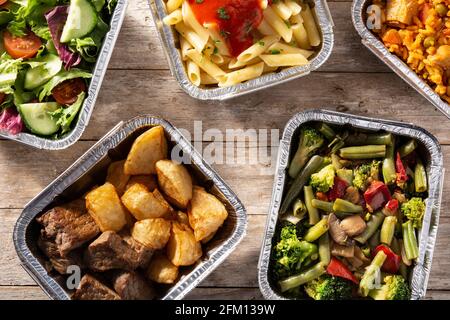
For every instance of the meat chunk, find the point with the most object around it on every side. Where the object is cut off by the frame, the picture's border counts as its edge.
(70, 226)
(92, 289)
(59, 263)
(132, 286)
(401, 11)
(110, 251)
(144, 253)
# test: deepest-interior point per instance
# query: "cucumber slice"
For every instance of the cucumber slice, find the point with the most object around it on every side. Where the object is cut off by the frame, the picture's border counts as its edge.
(37, 118)
(39, 75)
(81, 20)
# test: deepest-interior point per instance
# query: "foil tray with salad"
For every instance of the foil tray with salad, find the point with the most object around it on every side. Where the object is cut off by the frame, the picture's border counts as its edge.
(48, 49)
(348, 221)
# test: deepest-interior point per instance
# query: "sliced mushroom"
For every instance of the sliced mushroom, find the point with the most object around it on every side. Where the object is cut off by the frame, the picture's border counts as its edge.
(355, 262)
(338, 250)
(360, 256)
(337, 233)
(353, 225)
(352, 195)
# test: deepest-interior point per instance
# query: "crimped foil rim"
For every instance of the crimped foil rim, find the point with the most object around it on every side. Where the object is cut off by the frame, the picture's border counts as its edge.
(435, 170)
(86, 162)
(94, 88)
(395, 63)
(167, 38)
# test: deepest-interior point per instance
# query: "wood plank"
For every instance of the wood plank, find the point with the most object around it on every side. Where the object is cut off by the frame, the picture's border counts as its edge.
(230, 273)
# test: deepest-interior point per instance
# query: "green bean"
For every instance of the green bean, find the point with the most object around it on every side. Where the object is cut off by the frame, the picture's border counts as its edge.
(368, 278)
(317, 230)
(359, 139)
(395, 246)
(363, 152)
(372, 225)
(326, 131)
(374, 240)
(335, 160)
(313, 212)
(407, 148)
(388, 167)
(312, 166)
(322, 205)
(310, 274)
(410, 241)
(324, 249)
(420, 177)
(344, 206)
(387, 230)
(299, 209)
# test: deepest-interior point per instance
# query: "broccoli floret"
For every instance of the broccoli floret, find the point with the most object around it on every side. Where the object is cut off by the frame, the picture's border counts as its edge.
(329, 288)
(394, 288)
(310, 141)
(291, 254)
(414, 209)
(365, 171)
(324, 179)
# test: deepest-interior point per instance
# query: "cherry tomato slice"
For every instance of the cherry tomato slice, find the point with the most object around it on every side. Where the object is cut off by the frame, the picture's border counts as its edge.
(67, 91)
(2, 95)
(21, 47)
(2, 2)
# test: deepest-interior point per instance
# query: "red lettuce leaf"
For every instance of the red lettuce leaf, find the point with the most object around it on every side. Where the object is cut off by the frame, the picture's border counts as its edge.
(11, 121)
(56, 19)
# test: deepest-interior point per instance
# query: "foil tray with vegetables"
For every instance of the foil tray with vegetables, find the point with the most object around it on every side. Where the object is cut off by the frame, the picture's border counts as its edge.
(48, 49)
(347, 224)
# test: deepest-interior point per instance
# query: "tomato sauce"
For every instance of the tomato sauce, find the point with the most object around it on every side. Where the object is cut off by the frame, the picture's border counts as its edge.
(235, 20)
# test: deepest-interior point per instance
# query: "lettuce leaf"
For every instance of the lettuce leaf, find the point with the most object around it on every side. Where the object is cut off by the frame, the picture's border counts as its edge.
(56, 20)
(111, 6)
(98, 4)
(30, 12)
(9, 69)
(46, 89)
(11, 121)
(20, 94)
(65, 116)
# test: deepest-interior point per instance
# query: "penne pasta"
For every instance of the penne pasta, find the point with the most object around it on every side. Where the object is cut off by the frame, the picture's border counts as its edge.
(281, 10)
(284, 48)
(217, 58)
(265, 29)
(241, 75)
(264, 4)
(192, 37)
(268, 69)
(172, 5)
(217, 39)
(284, 60)
(184, 47)
(297, 19)
(205, 64)
(300, 36)
(235, 63)
(191, 21)
(278, 24)
(258, 48)
(311, 27)
(207, 79)
(173, 18)
(293, 6)
(193, 72)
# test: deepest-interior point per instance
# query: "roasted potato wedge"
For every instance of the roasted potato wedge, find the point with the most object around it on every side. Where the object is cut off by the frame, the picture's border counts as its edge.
(182, 218)
(175, 181)
(103, 204)
(171, 214)
(117, 177)
(149, 181)
(161, 270)
(206, 213)
(142, 203)
(147, 149)
(182, 248)
(152, 233)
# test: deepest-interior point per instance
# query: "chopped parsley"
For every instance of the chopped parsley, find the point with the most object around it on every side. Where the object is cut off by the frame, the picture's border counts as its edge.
(224, 33)
(287, 23)
(275, 51)
(215, 51)
(199, 1)
(223, 14)
(261, 43)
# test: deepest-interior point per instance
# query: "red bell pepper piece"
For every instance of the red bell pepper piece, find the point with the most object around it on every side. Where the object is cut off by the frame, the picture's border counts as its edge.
(338, 190)
(321, 196)
(402, 177)
(391, 207)
(376, 195)
(338, 269)
(392, 262)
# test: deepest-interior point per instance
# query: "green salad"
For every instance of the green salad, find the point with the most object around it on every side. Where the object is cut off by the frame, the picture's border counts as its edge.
(349, 219)
(48, 49)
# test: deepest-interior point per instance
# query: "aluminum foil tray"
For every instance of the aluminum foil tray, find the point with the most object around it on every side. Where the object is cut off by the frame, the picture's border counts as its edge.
(429, 149)
(91, 168)
(94, 88)
(169, 40)
(359, 8)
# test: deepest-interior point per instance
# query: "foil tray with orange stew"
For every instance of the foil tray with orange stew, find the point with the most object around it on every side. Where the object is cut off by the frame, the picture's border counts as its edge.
(223, 49)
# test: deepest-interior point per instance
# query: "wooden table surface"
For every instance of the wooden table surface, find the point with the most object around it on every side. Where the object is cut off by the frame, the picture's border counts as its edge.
(138, 82)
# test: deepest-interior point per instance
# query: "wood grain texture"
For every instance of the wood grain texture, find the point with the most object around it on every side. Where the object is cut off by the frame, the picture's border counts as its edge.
(138, 82)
